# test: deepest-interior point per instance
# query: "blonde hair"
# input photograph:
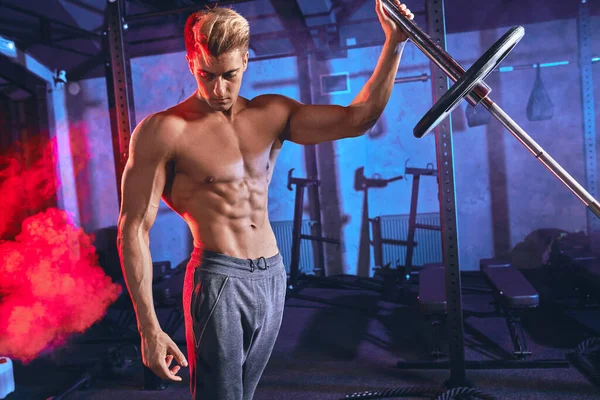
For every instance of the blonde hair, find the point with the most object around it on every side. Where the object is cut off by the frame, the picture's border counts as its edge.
(216, 31)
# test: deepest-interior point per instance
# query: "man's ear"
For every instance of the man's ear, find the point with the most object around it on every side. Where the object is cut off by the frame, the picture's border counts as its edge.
(246, 56)
(190, 63)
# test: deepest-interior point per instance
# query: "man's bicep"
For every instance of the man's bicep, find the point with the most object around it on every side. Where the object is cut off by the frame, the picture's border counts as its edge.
(313, 124)
(142, 187)
(143, 180)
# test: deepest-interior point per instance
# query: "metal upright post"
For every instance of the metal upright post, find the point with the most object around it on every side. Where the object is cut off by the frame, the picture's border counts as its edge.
(121, 110)
(296, 236)
(447, 197)
(589, 118)
(120, 91)
(412, 221)
(312, 170)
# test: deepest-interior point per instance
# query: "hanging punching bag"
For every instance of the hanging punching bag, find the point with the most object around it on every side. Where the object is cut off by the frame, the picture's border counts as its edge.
(539, 107)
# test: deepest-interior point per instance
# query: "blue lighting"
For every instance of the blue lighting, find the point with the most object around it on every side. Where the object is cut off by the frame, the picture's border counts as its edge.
(554, 64)
(7, 47)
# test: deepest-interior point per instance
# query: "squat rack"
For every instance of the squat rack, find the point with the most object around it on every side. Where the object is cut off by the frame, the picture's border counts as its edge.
(120, 92)
(122, 121)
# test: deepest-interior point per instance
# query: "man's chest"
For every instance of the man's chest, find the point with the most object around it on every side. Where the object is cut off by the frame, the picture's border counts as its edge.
(227, 152)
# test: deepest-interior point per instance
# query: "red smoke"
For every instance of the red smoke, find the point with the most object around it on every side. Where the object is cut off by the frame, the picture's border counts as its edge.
(51, 285)
(27, 183)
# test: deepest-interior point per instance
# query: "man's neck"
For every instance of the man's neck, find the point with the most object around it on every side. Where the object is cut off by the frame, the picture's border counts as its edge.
(227, 114)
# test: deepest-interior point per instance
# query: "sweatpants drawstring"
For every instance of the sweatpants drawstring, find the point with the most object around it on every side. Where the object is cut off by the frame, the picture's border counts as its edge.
(253, 267)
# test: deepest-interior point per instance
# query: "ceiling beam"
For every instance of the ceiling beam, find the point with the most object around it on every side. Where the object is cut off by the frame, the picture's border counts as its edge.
(70, 27)
(86, 7)
(19, 76)
(349, 10)
(292, 19)
(161, 5)
(179, 10)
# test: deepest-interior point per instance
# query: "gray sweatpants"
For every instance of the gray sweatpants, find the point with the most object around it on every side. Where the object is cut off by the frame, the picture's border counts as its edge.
(236, 308)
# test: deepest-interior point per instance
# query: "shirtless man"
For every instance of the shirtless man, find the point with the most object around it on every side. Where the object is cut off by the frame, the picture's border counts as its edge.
(211, 159)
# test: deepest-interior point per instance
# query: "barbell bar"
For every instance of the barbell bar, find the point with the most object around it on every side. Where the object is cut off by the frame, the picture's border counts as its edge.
(469, 84)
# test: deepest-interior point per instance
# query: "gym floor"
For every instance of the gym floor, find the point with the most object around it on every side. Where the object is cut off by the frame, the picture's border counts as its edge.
(328, 352)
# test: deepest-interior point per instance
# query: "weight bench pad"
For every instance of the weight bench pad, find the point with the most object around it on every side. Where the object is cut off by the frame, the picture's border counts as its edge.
(589, 270)
(508, 282)
(432, 290)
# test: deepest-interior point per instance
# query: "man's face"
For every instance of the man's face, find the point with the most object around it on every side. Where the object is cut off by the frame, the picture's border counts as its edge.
(219, 78)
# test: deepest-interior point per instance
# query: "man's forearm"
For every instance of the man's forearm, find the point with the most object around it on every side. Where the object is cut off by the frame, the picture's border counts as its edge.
(373, 97)
(136, 263)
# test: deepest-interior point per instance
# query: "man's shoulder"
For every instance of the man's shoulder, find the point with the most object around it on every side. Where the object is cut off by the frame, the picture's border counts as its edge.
(162, 121)
(272, 100)
(160, 128)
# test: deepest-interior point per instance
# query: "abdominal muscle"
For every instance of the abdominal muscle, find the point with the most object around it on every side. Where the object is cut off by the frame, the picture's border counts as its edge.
(228, 217)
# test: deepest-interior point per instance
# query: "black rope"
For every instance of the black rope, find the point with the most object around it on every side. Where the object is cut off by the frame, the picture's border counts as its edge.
(403, 392)
(580, 360)
(584, 346)
(464, 393)
(432, 393)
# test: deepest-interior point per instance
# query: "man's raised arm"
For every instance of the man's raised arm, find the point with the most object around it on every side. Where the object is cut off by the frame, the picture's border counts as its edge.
(312, 124)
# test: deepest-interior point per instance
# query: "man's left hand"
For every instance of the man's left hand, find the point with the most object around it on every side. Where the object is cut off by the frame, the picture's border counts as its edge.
(393, 32)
